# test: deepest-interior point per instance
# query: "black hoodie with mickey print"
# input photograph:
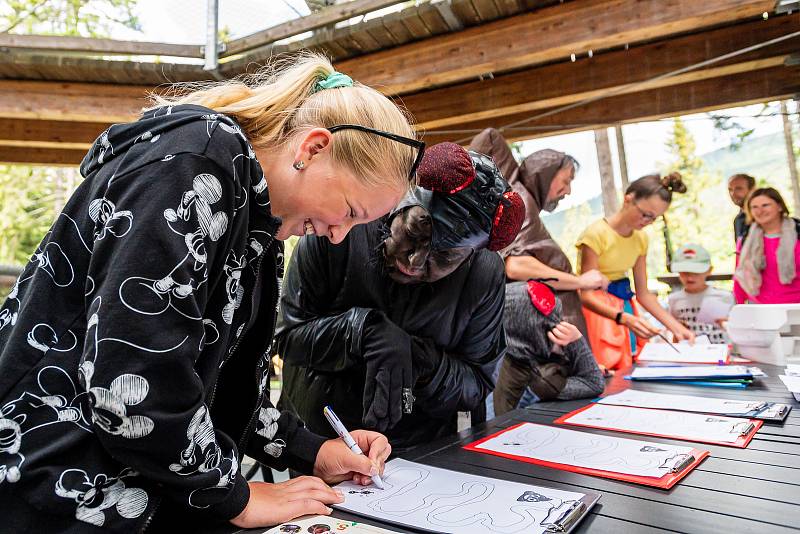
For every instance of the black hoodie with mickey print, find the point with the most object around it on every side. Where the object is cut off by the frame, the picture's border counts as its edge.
(133, 347)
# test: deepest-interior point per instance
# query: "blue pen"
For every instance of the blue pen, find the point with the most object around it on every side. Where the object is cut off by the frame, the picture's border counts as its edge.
(348, 439)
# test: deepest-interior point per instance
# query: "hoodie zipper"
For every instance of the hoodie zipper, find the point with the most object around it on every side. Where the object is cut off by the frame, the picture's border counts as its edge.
(151, 516)
(253, 313)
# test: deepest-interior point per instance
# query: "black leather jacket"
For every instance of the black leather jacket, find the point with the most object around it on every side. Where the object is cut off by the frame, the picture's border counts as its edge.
(329, 291)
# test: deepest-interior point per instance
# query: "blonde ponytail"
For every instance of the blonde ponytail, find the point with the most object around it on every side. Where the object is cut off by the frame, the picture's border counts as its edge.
(281, 100)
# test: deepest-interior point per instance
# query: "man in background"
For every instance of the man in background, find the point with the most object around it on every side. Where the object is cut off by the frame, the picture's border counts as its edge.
(739, 186)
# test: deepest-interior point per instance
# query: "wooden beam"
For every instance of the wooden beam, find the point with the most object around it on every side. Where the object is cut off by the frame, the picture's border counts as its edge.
(773, 83)
(550, 34)
(41, 156)
(84, 102)
(329, 15)
(47, 133)
(564, 83)
(58, 43)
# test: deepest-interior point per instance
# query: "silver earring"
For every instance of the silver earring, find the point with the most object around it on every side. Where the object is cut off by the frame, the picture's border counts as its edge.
(299, 165)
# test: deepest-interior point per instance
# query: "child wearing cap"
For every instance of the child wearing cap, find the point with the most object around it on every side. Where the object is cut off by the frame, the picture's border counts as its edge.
(692, 262)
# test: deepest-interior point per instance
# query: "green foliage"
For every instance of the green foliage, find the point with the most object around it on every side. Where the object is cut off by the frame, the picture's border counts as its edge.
(703, 215)
(30, 198)
(87, 18)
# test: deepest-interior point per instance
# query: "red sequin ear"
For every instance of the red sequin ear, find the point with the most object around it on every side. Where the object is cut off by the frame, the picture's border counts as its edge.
(508, 220)
(445, 168)
(542, 297)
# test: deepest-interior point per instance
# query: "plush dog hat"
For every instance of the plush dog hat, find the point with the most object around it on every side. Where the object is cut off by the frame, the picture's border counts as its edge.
(469, 201)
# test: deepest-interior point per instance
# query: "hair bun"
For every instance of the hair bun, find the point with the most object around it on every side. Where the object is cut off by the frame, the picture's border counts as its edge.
(673, 183)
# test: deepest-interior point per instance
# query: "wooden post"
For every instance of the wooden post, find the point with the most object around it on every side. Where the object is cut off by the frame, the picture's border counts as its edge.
(610, 201)
(791, 159)
(623, 160)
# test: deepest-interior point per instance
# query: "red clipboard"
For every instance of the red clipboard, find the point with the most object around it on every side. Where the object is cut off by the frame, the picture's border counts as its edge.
(740, 443)
(664, 482)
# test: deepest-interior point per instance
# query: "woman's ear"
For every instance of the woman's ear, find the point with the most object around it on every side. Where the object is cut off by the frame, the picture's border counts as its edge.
(312, 143)
(628, 198)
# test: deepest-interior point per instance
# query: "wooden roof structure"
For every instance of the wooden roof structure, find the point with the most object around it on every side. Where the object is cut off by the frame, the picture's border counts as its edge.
(536, 67)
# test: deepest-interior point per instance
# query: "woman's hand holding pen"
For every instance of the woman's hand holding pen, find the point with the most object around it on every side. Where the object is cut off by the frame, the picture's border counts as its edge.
(336, 462)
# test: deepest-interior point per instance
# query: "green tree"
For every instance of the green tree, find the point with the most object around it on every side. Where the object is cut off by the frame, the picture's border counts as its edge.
(87, 18)
(703, 215)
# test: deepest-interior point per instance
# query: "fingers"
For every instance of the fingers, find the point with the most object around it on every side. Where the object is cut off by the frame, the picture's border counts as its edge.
(305, 507)
(374, 445)
(376, 406)
(309, 483)
(369, 400)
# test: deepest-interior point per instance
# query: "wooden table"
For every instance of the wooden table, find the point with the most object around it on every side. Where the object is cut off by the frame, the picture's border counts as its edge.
(733, 491)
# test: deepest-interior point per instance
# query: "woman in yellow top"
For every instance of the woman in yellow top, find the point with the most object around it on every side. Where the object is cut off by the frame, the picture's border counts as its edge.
(614, 246)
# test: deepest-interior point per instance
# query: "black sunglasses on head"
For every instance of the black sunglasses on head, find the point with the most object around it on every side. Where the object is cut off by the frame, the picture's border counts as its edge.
(413, 143)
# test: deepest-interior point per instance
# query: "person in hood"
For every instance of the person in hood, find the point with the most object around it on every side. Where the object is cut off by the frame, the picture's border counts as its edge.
(134, 345)
(543, 179)
(400, 326)
(547, 358)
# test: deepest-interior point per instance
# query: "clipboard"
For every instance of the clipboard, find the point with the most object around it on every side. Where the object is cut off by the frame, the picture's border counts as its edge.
(743, 428)
(691, 372)
(417, 493)
(680, 466)
(708, 353)
(764, 410)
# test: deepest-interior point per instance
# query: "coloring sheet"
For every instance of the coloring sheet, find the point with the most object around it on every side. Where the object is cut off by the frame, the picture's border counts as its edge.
(685, 403)
(690, 372)
(682, 425)
(439, 500)
(583, 449)
(697, 353)
(321, 524)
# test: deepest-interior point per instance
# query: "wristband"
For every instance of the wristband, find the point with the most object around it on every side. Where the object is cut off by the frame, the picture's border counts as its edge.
(618, 318)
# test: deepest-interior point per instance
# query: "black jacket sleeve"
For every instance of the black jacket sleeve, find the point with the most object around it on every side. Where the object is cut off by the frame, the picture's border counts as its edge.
(146, 301)
(462, 378)
(307, 334)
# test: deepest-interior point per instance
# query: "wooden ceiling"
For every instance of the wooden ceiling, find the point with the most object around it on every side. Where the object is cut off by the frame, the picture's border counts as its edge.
(458, 66)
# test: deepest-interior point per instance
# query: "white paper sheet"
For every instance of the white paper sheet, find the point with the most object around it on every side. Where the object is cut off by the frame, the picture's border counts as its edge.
(792, 383)
(690, 372)
(322, 524)
(583, 449)
(685, 403)
(697, 353)
(711, 310)
(439, 500)
(690, 426)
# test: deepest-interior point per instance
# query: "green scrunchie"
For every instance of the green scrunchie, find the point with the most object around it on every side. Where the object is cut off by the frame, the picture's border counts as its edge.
(334, 80)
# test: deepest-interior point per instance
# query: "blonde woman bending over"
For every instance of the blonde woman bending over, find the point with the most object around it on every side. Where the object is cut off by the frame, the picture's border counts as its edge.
(134, 346)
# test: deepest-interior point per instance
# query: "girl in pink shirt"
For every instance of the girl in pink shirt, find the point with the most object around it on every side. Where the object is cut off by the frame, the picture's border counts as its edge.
(768, 256)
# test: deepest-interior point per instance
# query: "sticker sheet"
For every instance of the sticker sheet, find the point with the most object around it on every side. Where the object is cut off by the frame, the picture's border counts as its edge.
(321, 524)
